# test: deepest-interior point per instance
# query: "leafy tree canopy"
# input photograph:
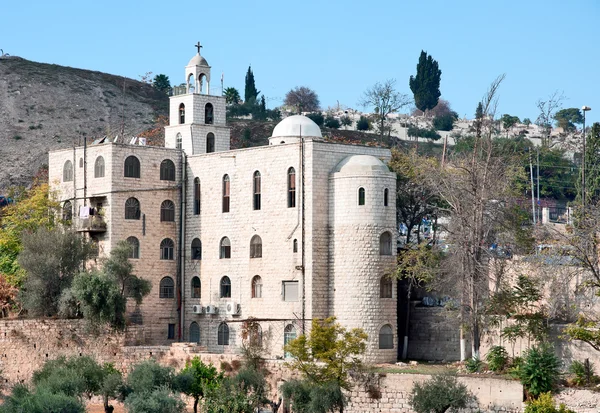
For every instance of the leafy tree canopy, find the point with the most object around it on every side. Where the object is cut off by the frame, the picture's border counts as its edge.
(197, 378)
(32, 209)
(331, 122)
(438, 394)
(567, 118)
(317, 117)
(162, 83)
(328, 353)
(303, 99)
(232, 96)
(426, 84)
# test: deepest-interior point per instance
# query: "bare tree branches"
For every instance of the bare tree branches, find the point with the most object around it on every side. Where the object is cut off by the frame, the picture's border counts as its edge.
(386, 100)
(547, 110)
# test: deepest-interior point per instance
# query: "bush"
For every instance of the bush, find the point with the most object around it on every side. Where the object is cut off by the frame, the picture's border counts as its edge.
(439, 394)
(515, 367)
(317, 118)
(160, 400)
(444, 122)
(149, 375)
(545, 404)
(473, 365)
(497, 359)
(331, 122)
(540, 370)
(423, 133)
(583, 371)
(40, 401)
(363, 124)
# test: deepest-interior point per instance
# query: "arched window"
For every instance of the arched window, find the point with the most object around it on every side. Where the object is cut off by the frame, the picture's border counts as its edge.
(361, 196)
(178, 141)
(191, 83)
(208, 114)
(196, 249)
(132, 209)
(67, 211)
(295, 246)
(225, 287)
(196, 196)
(255, 334)
(289, 334)
(167, 211)
(196, 287)
(210, 142)
(132, 167)
(226, 193)
(291, 188)
(167, 170)
(167, 288)
(385, 196)
(99, 167)
(386, 337)
(385, 287)
(134, 251)
(256, 191)
(223, 335)
(167, 249)
(256, 247)
(194, 333)
(68, 171)
(225, 248)
(257, 287)
(181, 114)
(385, 243)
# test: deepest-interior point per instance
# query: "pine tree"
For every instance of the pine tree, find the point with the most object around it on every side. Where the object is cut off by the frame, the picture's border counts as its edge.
(426, 84)
(592, 165)
(250, 92)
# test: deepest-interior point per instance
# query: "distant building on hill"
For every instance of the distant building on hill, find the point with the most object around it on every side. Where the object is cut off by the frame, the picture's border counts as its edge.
(280, 234)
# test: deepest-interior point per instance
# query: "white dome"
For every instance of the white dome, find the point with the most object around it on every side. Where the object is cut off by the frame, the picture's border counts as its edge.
(294, 126)
(198, 61)
(360, 164)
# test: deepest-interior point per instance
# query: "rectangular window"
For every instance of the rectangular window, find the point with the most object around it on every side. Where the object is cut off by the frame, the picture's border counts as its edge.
(290, 291)
(171, 332)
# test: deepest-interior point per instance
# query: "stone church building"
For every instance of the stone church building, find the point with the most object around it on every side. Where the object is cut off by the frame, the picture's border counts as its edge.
(280, 234)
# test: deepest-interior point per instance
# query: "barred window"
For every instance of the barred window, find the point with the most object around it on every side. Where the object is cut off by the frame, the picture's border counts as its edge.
(385, 287)
(225, 248)
(196, 249)
(194, 332)
(289, 334)
(225, 287)
(132, 167)
(167, 249)
(386, 337)
(132, 209)
(208, 114)
(223, 335)
(196, 287)
(167, 170)
(256, 185)
(68, 171)
(291, 188)
(99, 167)
(167, 211)
(167, 288)
(256, 247)
(134, 251)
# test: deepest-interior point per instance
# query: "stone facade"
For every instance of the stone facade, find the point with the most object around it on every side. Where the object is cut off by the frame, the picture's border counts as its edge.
(320, 240)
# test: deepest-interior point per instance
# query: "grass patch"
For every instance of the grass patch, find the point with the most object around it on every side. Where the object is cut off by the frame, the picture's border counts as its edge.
(428, 368)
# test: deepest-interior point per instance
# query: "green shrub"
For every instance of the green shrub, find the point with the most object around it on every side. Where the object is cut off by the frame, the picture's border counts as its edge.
(545, 404)
(514, 369)
(439, 394)
(160, 400)
(444, 122)
(331, 122)
(40, 401)
(497, 358)
(583, 371)
(540, 370)
(473, 365)
(317, 118)
(363, 124)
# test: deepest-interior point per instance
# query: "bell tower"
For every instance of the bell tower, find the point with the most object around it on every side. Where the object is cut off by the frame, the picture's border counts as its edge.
(196, 118)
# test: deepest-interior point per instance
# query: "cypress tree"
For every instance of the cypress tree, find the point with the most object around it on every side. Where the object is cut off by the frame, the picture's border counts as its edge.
(592, 166)
(426, 84)
(250, 92)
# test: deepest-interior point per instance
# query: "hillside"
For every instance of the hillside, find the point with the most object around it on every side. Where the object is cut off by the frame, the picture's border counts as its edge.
(45, 107)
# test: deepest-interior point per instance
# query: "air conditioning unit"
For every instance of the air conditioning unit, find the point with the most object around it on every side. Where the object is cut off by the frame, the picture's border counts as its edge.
(197, 309)
(212, 309)
(232, 308)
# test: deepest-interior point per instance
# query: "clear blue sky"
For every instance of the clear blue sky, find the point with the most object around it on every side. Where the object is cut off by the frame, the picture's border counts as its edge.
(337, 48)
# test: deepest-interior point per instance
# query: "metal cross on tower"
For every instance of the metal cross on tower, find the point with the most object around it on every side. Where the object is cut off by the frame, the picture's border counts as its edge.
(198, 46)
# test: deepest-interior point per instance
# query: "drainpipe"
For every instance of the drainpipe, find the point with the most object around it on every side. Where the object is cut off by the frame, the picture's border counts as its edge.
(303, 236)
(182, 246)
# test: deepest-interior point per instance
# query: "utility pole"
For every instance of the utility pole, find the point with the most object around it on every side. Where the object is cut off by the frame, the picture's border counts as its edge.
(532, 190)
(538, 182)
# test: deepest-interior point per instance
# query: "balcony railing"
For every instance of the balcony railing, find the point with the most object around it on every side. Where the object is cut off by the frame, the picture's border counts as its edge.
(94, 223)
